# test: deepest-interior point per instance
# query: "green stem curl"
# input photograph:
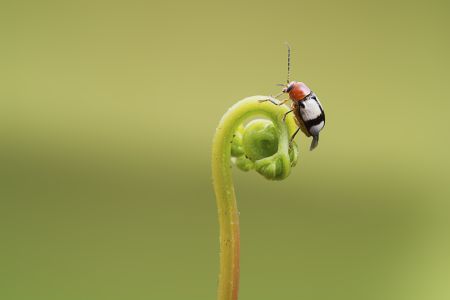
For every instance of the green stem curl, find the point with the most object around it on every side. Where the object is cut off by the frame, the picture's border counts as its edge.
(261, 144)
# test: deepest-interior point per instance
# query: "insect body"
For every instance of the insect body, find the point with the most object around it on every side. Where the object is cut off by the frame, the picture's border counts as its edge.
(309, 114)
(308, 111)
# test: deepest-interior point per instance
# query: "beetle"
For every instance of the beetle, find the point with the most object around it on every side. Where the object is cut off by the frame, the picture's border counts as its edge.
(308, 111)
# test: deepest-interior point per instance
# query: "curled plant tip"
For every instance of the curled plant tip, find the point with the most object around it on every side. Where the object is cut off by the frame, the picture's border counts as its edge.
(251, 135)
(256, 146)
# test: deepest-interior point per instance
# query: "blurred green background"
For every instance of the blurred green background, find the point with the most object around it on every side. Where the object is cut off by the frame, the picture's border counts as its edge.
(107, 112)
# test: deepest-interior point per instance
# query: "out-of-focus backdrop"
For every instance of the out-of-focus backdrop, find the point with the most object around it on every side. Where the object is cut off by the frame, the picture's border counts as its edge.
(107, 112)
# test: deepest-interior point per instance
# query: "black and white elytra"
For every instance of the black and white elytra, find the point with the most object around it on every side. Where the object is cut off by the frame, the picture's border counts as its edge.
(310, 117)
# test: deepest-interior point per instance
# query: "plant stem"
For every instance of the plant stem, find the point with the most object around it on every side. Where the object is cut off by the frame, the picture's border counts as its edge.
(228, 285)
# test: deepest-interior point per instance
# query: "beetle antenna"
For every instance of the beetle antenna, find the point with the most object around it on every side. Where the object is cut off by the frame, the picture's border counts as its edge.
(289, 62)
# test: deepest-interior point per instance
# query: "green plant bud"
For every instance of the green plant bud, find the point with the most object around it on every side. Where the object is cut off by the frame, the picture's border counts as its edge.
(260, 139)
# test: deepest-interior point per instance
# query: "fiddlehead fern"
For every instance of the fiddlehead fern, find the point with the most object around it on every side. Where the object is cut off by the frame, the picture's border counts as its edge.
(252, 135)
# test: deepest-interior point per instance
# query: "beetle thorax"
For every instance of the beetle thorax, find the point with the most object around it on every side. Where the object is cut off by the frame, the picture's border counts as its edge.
(297, 90)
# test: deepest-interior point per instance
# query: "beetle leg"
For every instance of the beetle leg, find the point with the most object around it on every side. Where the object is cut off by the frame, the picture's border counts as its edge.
(283, 101)
(277, 95)
(293, 136)
(273, 102)
(285, 115)
(268, 99)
